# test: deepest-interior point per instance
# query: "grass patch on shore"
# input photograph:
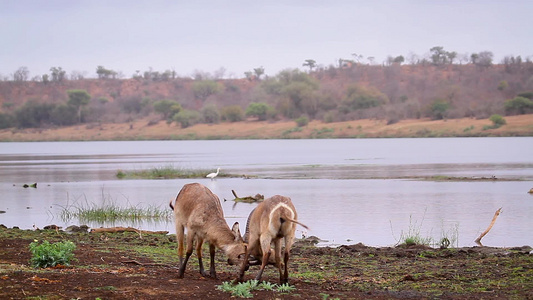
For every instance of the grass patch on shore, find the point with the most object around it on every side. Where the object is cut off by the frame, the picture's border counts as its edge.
(110, 211)
(163, 172)
(168, 172)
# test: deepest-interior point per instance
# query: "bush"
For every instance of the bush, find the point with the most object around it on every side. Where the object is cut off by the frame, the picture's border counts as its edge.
(360, 97)
(302, 121)
(6, 121)
(497, 120)
(259, 110)
(439, 109)
(210, 114)
(232, 113)
(187, 118)
(49, 255)
(33, 114)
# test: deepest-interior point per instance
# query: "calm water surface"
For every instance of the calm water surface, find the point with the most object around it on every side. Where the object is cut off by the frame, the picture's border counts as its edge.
(346, 191)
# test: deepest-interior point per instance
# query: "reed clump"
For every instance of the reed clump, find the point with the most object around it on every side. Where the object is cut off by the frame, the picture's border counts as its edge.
(163, 172)
(110, 211)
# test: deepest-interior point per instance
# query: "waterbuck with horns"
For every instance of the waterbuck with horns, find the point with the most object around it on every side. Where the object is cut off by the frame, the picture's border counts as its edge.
(271, 221)
(199, 211)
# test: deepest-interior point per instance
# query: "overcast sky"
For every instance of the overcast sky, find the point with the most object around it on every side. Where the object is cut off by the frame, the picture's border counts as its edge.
(239, 36)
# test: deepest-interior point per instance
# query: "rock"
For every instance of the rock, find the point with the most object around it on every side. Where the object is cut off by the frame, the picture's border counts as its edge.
(52, 227)
(74, 228)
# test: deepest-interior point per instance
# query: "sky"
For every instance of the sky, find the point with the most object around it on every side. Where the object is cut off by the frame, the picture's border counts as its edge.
(237, 36)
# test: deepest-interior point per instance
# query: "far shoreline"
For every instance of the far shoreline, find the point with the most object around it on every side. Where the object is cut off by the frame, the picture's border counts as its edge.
(145, 130)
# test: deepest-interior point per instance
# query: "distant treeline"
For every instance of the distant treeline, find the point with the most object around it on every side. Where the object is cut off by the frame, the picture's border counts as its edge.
(436, 88)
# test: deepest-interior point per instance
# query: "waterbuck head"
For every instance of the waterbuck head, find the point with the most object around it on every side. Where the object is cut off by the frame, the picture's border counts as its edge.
(236, 250)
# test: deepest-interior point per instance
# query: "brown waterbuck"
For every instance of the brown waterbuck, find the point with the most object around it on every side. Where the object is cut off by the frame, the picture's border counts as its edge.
(199, 211)
(271, 221)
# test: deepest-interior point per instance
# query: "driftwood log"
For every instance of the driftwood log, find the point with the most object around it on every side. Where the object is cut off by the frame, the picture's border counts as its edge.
(248, 199)
(496, 214)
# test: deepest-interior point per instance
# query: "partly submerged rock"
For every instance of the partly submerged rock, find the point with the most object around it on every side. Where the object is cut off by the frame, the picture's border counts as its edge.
(74, 228)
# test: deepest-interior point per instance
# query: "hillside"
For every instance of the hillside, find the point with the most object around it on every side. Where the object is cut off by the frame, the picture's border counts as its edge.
(338, 101)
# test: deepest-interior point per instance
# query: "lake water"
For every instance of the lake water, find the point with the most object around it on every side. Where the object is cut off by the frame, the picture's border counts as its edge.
(346, 190)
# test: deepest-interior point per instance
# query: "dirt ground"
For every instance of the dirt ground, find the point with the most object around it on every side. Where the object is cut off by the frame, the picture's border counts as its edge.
(132, 266)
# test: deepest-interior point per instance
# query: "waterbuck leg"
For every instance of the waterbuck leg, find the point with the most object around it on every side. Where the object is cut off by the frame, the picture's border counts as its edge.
(285, 278)
(199, 244)
(244, 266)
(190, 239)
(181, 270)
(181, 242)
(266, 256)
(277, 257)
(212, 271)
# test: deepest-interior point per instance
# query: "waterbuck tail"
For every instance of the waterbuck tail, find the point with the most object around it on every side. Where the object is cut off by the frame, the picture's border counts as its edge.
(294, 221)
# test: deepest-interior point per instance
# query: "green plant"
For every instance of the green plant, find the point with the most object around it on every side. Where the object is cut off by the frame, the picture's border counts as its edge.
(326, 297)
(46, 255)
(259, 110)
(267, 286)
(244, 289)
(285, 288)
(302, 121)
(232, 113)
(439, 108)
(497, 120)
(413, 237)
(186, 118)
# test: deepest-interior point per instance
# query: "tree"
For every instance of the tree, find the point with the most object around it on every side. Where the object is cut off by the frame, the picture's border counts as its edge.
(310, 63)
(438, 55)
(104, 73)
(205, 88)
(21, 74)
(165, 108)
(438, 109)
(249, 75)
(259, 110)
(399, 59)
(474, 57)
(357, 57)
(259, 72)
(451, 56)
(518, 105)
(78, 99)
(485, 59)
(58, 74)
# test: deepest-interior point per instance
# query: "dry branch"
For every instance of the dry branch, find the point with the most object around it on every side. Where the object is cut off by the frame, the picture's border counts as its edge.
(248, 199)
(144, 264)
(129, 229)
(496, 214)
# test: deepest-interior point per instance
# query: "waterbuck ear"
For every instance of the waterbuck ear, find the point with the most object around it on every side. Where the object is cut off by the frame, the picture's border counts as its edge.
(236, 232)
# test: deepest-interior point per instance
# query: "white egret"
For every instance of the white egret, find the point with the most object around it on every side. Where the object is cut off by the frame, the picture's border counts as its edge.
(213, 175)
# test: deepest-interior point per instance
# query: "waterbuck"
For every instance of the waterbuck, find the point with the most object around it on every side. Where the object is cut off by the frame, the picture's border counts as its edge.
(199, 211)
(273, 219)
